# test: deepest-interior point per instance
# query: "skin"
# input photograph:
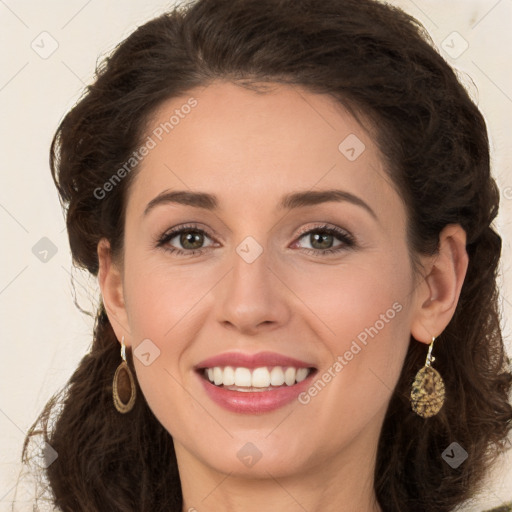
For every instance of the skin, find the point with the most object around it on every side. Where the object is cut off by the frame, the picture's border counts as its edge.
(250, 149)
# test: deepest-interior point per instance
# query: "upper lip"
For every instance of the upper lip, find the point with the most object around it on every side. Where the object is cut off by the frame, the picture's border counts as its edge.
(238, 359)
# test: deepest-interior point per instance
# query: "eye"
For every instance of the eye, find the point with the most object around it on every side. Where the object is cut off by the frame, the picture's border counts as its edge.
(190, 238)
(322, 239)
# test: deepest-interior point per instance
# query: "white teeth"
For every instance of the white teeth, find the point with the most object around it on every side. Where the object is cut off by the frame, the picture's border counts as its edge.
(277, 376)
(302, 373)
(218, 376)
(262, 377)
(229, 376)
(289, 376)
(242, 377)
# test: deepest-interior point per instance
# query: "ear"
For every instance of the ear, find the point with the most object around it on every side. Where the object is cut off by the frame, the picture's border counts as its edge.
(438, 294)
(111, 285)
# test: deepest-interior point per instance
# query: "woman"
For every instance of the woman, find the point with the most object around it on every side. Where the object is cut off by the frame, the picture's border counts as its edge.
(286, 204)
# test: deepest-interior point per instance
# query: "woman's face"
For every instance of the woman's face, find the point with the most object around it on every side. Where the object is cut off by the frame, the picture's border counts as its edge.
(279, 264)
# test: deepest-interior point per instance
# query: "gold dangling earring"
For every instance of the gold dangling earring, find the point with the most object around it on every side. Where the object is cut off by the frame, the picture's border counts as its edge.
(428, 391)
(123, 385)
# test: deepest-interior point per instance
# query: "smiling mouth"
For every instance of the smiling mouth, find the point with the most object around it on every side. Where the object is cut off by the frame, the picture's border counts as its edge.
(265, 378)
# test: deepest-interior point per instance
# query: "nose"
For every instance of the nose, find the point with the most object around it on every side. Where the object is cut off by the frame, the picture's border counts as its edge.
(252, 296)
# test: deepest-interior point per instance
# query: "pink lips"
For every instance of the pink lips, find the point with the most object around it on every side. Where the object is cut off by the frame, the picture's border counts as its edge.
(237, 359)
(249, 402)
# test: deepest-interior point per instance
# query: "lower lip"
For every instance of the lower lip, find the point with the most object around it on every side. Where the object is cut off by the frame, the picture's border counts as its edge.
(255, 402)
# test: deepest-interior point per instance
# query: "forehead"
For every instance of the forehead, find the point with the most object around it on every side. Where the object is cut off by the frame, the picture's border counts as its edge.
(249, 148)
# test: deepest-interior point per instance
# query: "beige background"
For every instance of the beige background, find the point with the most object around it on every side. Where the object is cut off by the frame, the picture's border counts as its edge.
(43, 335)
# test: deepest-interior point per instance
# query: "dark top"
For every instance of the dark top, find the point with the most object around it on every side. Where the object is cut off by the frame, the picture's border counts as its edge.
(506, 507)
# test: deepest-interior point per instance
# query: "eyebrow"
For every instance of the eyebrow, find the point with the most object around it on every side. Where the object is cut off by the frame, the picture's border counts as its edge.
(289, 201)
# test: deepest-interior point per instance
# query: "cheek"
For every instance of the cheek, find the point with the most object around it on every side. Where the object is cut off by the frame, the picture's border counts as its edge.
(362, 292)
(162, 304)
(162, 297)
(365, 313)
(160, 307)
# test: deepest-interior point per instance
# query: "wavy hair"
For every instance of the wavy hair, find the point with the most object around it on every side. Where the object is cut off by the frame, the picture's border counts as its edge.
(375, 60)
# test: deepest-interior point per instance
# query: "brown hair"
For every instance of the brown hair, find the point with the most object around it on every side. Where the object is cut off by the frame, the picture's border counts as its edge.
(376, 60)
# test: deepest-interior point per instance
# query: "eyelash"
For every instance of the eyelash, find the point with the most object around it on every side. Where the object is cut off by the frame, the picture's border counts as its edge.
(342, 235)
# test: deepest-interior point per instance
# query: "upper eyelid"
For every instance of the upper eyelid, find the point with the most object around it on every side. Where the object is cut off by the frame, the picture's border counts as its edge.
(339, 231)
(198, 227)
(325, 226)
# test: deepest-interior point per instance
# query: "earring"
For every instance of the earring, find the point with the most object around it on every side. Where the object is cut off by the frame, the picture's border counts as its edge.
(123, 385)
(428, 391)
